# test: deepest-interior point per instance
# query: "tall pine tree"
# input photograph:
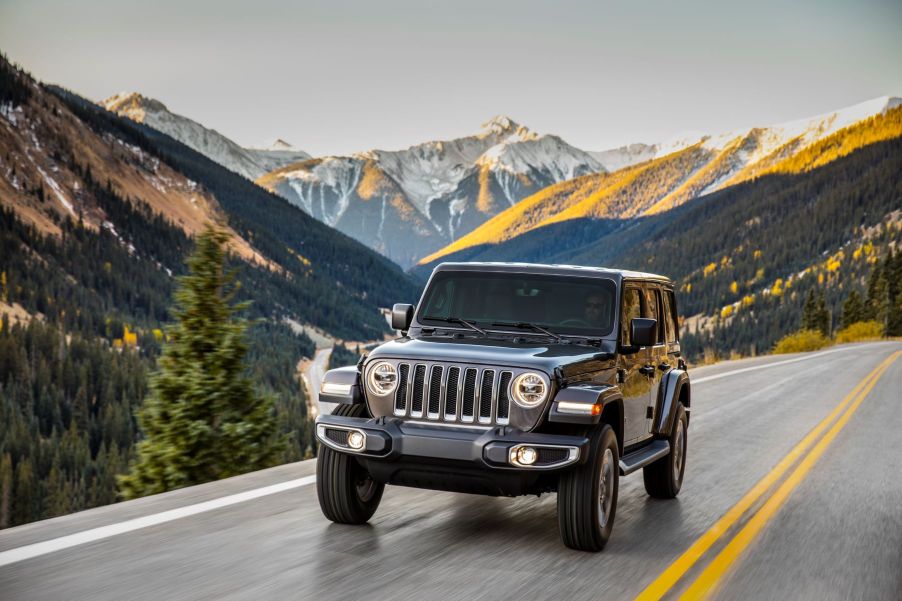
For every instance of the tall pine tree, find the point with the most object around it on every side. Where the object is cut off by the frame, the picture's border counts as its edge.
(852, 309)
(815, 315)
(203, 420)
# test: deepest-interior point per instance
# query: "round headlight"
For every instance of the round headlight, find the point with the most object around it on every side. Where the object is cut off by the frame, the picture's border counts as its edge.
(383, 379)
(529, 390)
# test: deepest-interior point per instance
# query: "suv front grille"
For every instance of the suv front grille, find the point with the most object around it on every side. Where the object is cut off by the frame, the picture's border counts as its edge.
(453, 393)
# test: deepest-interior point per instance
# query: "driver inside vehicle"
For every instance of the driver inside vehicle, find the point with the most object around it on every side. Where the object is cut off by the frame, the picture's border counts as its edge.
(595, 310)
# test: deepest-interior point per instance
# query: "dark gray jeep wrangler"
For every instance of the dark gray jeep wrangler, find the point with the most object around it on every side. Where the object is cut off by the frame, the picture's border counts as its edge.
(513, 379)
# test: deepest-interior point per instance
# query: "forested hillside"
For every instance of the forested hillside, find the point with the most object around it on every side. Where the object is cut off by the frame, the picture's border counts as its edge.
(338, 282)
(97, 214)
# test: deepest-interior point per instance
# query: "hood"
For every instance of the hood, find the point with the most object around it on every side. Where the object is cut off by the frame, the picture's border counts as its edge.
(503, 352)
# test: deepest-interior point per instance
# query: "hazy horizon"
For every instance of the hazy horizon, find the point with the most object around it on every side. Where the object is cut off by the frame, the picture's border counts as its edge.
(343, 77)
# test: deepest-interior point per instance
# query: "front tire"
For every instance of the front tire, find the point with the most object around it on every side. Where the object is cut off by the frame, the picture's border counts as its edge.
(587, 494)
(346, 491)
(664, 477)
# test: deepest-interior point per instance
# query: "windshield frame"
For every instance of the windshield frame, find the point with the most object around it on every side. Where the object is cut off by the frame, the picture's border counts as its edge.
(422, 321)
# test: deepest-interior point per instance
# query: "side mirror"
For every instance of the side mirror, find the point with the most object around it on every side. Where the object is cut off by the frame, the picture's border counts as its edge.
(401, 316)
(643, 331)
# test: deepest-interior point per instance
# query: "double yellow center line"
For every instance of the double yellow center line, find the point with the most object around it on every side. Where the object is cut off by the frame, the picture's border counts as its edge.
(705, 583)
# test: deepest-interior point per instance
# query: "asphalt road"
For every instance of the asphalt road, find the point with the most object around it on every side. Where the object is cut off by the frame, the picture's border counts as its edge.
(836, 533)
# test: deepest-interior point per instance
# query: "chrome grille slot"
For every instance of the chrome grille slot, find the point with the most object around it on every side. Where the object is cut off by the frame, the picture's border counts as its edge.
(448, 393)
(451, 393)
(435, 391)
(486, 395)
(416, 402)
(503, 414)
(401, 393)
(469, 397)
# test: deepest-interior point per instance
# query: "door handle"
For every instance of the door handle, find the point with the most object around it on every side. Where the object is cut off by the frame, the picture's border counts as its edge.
(664, 366)
(648, 370)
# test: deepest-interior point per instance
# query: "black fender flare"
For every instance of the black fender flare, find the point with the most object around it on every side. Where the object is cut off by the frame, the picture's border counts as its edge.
(341, 385)
(584, 404)
(668, 397)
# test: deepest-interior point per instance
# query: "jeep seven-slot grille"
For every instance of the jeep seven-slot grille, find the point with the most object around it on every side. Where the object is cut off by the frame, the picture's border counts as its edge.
(453, 393)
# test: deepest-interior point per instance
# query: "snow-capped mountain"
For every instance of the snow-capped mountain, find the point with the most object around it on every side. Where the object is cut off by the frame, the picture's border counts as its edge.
(644, 179)
(249, 162)
(430, 193)
(739, 154)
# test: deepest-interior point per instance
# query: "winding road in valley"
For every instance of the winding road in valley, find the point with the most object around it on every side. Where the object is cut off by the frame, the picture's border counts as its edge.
(312, 374)
(793, 490)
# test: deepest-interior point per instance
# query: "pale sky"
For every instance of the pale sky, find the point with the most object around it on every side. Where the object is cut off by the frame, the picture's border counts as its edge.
(336, 77)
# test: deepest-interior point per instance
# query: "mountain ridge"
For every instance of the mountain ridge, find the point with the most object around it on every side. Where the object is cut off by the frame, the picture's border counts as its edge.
(248, 162)
(439, 188)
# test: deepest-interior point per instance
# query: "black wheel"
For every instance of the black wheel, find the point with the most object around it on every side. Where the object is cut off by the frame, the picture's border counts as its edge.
(347, 494)
(664, 477)
(587, 494)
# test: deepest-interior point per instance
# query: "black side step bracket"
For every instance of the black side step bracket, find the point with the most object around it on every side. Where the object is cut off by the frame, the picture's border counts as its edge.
(642, 457)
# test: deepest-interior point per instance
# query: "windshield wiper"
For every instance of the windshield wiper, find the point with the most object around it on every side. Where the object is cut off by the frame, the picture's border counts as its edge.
(526, 324)
(460, 321)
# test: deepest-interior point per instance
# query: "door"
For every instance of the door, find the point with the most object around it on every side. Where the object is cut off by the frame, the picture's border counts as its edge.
(660, 362)
(636, 385)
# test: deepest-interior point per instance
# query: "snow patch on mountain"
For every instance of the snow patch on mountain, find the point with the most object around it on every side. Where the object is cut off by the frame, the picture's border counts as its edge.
(547, 153)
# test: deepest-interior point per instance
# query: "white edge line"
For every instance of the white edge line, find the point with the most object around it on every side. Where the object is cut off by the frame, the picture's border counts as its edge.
(79, 538)
(767, 365)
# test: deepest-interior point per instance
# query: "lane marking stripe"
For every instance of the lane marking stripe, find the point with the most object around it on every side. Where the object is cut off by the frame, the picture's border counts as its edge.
(707, 581)
(684, 562)
(79, 538)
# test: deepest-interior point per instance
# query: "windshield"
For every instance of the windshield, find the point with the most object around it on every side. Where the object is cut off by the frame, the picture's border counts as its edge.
(562, 304)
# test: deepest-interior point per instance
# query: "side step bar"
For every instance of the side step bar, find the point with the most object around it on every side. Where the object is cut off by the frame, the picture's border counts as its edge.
(648, 454)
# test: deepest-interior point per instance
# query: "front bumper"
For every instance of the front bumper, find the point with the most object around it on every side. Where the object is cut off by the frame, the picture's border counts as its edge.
(389, 440)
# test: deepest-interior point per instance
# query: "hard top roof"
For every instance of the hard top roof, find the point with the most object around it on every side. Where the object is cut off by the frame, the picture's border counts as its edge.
(546, 269)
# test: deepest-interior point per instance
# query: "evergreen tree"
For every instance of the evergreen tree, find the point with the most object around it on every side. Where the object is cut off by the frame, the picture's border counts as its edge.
(852, 309)
(822, 319)
(815, 315)
(809, 312)
(202, 420)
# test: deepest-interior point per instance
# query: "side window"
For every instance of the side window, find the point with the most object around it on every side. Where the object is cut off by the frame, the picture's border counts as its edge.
(656, 311)
(668, 318)
(672, 316)
(633, 306)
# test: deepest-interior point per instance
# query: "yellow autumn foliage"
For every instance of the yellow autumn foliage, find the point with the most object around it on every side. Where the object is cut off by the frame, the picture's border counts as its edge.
(129, 338)
(777, 288)
(800, 342)
(860, 331)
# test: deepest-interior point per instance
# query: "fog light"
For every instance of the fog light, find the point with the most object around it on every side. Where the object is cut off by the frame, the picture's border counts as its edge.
(527, 455)
(356, 440)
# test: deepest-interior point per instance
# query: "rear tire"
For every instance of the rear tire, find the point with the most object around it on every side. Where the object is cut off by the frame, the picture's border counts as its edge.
(587, 494)
(347, 494)
(664, 477)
